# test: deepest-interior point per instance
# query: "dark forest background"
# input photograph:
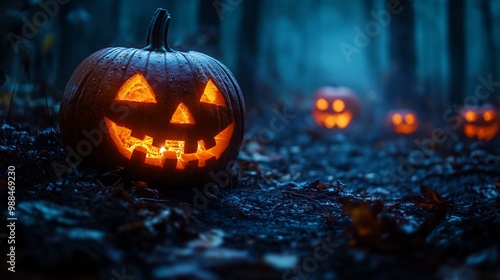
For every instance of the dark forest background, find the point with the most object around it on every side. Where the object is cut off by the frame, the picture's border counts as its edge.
(428, 55)
(424, 205)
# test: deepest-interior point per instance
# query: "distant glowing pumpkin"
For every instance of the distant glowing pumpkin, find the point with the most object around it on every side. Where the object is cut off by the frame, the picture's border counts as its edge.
(402, 121)
(335, 107)
(482, 123)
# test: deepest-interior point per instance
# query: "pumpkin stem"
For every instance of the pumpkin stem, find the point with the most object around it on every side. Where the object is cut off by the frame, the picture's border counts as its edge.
(156, 40)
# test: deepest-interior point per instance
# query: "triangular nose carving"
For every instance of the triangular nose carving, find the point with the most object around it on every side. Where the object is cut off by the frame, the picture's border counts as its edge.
(182, 115)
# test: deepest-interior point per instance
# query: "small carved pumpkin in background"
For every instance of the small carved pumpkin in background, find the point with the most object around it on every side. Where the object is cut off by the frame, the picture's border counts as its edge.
(335, 107)
(482, 123)
(402, 121)
(165, 115)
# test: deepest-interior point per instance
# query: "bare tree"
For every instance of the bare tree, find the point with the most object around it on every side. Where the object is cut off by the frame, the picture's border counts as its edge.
(456, 23)
(248, 49)
(401, 86)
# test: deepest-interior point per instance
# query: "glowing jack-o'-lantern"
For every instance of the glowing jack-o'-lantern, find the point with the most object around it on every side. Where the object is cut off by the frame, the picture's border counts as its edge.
(402, 121)
(176, 143)
(164, 115)
(335, 107)
(482, 123)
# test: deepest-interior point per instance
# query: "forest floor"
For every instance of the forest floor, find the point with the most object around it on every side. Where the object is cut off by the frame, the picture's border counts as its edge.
(307, 204)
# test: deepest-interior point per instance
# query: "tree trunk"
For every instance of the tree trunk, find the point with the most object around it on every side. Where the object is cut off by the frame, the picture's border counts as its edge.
(401, 86)
(209, 29)
(457, 51)
(247, 53)
(490, 40)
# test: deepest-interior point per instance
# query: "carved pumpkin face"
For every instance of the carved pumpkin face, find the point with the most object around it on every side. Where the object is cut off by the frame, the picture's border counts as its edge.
(482, 123)
(176, 139)
(402, 121)
(335, 107)
(164, 115)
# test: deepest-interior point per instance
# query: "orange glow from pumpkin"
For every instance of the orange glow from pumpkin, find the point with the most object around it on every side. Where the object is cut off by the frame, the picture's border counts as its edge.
(403, 122)
(212, 94)
(488, 115)
(182, 115)
(410, 119)
(322, 104)
(136, 88)
(172, 149)
(343, 120)
(330, 120)
(397, 119)
(470, 116)
(481, 123)
(405, 129)
(335, 107)
(485, 133)
(338, 105)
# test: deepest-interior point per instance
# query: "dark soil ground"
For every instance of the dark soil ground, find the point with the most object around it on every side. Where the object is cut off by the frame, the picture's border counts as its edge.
(302, 203)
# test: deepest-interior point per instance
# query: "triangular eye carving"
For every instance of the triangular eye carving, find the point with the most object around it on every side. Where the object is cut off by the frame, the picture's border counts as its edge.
(212, 94)
(137, 89)
(182, 115)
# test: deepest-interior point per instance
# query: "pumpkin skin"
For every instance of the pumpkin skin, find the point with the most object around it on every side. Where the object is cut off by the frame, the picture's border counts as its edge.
(335, 107)
(481, 123)
(164, 115)
(402, 121)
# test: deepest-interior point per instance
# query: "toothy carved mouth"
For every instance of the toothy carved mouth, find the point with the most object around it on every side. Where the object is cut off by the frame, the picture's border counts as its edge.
(173, 153)
(405, 129)
(331, 120)
(481, 132)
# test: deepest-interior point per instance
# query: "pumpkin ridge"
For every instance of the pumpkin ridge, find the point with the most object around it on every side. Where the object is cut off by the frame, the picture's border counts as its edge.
(216, 79)
(232, 99)
(193, 75)
(168, 74)
(134, 51)
(238, 99)
(67, 117)
(179, 56)
(102, 78)
(83, 83)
